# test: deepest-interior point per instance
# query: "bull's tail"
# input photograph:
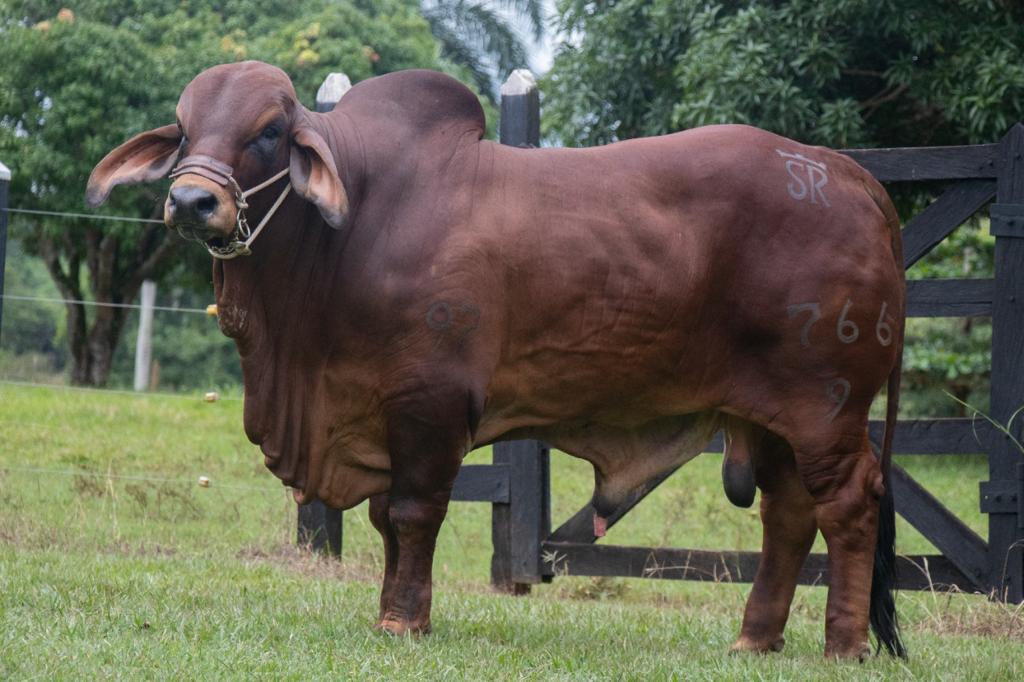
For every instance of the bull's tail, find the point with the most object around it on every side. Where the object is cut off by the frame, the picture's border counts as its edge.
(883, 605)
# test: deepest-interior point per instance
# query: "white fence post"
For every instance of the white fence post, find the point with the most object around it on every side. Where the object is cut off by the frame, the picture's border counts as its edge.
(5, 183)
(144, 340)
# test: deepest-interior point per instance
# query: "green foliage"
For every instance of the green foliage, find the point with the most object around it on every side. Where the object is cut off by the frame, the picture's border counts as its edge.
(75, 84)
(968, 252)
(946, 355)
(73, 89)
(361, 39)
(70, 93)
(191, 352)
(840, 73)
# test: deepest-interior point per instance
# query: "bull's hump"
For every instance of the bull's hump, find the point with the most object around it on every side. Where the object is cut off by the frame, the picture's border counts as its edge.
(420, 98)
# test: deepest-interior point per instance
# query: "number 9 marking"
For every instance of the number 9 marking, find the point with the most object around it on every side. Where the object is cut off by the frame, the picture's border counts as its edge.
(838, 392)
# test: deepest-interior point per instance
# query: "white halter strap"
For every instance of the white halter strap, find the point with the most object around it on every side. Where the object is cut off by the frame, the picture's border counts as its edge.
(237, 247)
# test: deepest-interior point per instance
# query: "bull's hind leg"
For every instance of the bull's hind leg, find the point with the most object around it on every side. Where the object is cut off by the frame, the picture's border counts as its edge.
(846, 483)
(787, 516)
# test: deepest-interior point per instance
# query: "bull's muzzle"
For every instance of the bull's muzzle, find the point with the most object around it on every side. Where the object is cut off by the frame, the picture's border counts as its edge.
(190, 209)
(206, 204)
(199, 208)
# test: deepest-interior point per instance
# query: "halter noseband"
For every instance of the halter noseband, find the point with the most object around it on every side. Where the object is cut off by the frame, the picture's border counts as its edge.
(241, 237)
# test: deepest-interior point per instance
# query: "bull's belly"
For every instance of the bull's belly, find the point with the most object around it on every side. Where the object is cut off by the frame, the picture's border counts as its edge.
(626, 450)
(565, 389)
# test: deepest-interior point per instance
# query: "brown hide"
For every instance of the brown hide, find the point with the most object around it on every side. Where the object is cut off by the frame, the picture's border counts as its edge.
(597, 298)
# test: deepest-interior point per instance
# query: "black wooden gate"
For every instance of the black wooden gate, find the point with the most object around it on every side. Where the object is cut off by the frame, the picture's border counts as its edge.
(526, 551)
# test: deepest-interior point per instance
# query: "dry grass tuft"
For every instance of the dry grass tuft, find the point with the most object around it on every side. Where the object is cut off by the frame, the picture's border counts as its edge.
(307, 563)
(954, 612)
(87, 485)
(597, 588)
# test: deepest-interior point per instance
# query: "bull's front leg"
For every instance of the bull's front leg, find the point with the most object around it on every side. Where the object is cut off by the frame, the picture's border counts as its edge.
(426, 451)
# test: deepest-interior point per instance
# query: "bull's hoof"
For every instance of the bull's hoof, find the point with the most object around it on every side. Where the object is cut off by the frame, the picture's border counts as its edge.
(856, 652)
(750, 645)
(399, 627)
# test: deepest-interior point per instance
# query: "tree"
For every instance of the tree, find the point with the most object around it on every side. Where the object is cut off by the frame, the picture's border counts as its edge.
(71, 89)
(842, 73)
(836, 72)
(474, 36)
(76, 85)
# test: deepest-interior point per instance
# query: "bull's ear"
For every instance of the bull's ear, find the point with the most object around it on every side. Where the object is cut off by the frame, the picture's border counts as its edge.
(315, 176)
(146, 157)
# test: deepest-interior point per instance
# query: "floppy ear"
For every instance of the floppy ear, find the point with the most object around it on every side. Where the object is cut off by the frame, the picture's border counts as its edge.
(146, 157)
(315, 177)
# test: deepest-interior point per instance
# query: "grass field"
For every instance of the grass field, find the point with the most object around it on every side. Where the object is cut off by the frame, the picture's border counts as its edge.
(114, 562)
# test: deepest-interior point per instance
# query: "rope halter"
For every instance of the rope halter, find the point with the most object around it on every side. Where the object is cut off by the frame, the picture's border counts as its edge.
(241, 237)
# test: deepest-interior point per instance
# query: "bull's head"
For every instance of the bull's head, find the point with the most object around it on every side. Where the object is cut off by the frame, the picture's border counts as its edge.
(239, 126)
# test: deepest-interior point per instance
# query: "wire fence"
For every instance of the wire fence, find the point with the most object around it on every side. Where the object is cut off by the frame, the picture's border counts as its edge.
(117, 391)
(184, 344)
(104, 304)
(34, 349)
(200, 481)
(86, 216)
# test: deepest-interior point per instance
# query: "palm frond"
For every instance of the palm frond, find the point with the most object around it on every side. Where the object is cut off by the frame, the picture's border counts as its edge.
(479, 39)
(460, 53)
(494, 37)
(530, 11)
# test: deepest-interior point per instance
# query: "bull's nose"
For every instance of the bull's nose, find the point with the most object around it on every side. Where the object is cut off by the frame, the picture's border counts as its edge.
(190, 204)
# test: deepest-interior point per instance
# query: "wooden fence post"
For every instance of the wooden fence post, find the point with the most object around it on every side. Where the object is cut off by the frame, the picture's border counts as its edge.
(1003, 494)
(520, 526)
(320, 526)
(520, 110)
(5, 184)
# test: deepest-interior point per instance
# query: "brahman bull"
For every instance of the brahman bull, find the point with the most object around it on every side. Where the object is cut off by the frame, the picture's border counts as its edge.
(423, 291)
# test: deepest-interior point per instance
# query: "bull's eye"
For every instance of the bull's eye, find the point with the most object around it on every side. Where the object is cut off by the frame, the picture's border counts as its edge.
(264, 145)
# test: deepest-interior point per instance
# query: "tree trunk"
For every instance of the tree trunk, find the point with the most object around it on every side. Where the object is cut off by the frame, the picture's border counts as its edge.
(92, 351)
(115, 275)
(103, 337)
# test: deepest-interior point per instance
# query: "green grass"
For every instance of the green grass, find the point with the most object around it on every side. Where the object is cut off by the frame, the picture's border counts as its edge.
(114, 562)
